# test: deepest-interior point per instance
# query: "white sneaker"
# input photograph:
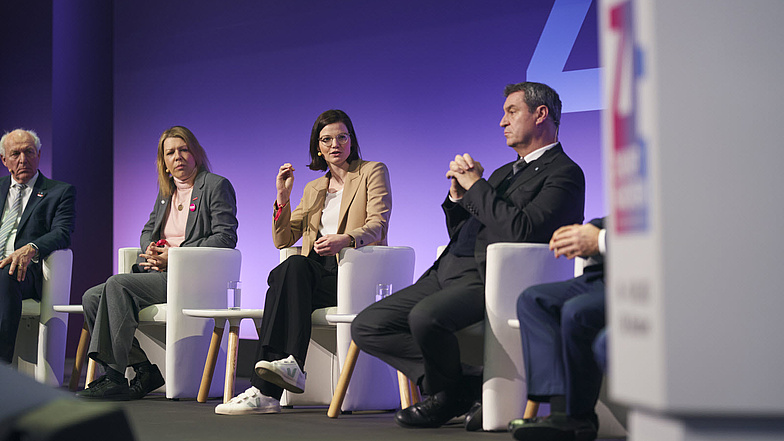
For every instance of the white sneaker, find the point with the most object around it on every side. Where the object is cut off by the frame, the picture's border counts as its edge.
(249, 402)
(284, 373)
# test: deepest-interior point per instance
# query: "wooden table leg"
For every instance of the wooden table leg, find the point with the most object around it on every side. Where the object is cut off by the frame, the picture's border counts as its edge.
(209, 364)
(345, 378)
(231, 361)
(81, 354)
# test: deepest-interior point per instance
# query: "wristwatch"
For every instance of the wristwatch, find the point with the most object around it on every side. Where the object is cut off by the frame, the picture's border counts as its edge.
(352, 243)
(37, 252)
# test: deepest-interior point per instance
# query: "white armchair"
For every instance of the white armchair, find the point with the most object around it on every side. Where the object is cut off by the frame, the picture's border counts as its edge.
(40, 342)
(502, 388)
(374, 384)
(178, 344)
(511, 267)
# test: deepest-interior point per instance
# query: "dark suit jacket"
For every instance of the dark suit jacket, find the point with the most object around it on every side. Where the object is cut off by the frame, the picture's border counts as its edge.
(212, 223)
(548, 193)
(594, 267)
(47, 220)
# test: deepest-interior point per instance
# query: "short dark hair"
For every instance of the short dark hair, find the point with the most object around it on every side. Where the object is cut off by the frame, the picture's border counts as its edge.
(538, 94)
(326, 118)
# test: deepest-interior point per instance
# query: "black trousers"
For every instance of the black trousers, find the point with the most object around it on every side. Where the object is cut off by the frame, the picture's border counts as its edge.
(12, 293)
(297, 287)
(559, 323)
(413, 330)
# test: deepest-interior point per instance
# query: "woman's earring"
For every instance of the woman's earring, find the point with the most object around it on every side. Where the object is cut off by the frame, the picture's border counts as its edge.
(319, 153)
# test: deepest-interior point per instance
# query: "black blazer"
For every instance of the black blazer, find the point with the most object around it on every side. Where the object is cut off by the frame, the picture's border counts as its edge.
(211, 223)
(47, 220)
(594, 267)
(548, 193)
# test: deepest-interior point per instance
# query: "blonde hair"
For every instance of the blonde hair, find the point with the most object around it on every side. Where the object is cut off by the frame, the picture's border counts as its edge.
(165, 181)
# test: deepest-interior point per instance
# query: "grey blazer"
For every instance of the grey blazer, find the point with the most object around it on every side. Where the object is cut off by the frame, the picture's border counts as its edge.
(212, 221)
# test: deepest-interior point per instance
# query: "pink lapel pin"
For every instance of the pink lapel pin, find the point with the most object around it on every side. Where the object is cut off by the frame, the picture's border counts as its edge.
(193, 207)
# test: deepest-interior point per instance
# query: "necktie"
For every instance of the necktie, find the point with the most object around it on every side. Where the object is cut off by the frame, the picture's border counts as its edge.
(518, 165)
(11, 216)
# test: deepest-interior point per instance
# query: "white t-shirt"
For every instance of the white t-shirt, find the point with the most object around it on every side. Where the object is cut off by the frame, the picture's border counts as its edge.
(331, 213)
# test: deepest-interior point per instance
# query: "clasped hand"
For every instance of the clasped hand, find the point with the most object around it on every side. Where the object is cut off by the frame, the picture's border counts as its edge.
(331, 244)
(156, 258)
(463, 172)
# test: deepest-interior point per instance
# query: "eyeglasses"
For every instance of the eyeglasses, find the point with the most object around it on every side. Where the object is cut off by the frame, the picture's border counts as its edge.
(342, 138)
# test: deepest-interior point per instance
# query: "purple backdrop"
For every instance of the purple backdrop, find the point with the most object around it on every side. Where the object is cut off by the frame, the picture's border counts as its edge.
(421, 83)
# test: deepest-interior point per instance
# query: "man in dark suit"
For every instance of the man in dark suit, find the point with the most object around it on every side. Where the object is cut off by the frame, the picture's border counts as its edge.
(523, 201)
(559, 323)
(37, 218)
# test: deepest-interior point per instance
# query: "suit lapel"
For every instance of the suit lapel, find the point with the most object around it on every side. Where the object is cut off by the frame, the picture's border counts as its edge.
(535, 167)
(497, 178)
(350, 188)
(195, 202)
(5, 185)
(159, 218)
(320, 188)
(39, 192)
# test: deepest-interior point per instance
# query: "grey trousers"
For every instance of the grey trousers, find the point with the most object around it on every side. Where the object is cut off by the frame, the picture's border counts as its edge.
(111, 311)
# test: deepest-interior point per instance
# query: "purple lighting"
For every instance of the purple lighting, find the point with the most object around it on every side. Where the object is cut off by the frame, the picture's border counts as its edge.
(422, 83)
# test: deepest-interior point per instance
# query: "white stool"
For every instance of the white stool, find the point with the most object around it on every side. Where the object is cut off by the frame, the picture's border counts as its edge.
(220, 316)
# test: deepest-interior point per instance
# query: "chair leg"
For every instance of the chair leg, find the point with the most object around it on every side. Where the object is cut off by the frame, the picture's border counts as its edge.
(531, 409)
(209, 365)
(404, 384)
(231, 362)
(414, 391)
(81, 354)
(90, 376)
(345, 378)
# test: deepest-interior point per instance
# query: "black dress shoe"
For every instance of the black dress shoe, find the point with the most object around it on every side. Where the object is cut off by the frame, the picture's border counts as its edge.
(147, 380)
(105, 389)
(435, 411)
(473, 421)
(556, 427)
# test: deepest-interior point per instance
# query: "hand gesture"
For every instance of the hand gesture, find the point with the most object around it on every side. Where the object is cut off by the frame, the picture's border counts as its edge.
(464, 172)
(575, 240)
(284, 182)
(331, 244)
(156, 257)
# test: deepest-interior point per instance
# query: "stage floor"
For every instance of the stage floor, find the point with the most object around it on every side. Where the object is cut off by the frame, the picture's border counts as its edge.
(156, 418)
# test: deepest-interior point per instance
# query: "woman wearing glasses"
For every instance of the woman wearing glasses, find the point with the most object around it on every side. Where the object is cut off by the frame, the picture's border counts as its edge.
(348, 207)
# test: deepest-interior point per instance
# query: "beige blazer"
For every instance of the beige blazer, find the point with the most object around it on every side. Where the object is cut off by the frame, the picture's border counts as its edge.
(364, 209)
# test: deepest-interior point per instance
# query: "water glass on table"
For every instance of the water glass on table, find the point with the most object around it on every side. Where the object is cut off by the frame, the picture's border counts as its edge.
(234, 292)
(383, 290)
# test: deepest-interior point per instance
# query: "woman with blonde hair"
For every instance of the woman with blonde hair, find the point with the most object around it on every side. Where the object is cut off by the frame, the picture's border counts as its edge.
(194, 208)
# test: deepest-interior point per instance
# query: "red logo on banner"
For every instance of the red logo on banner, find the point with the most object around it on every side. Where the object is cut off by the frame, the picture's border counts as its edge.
(629, 171)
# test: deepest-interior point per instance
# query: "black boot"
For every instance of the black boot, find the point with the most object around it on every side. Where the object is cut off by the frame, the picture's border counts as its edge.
(148, 378)
(112, 386)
